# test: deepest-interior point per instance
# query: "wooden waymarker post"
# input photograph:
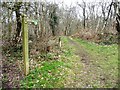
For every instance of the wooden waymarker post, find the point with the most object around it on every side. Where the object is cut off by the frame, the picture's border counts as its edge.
(25, 44)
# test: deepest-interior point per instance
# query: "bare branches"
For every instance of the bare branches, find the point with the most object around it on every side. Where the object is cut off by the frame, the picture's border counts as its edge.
(107, 16)
(84, 12)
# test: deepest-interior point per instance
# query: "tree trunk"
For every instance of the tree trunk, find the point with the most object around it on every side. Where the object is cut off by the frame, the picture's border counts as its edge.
(18, 29)
(84, 17)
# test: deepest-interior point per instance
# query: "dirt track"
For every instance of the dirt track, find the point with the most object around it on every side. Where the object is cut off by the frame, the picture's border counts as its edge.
(89, 76)
(90, 73)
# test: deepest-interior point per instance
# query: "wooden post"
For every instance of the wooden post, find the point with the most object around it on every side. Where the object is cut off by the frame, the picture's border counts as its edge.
(60, 42)
(25, 44)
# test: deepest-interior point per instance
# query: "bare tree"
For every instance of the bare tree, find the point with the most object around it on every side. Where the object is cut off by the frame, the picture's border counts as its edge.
(83, 6)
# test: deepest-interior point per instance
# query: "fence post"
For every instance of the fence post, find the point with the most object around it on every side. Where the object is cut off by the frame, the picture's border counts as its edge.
(25, 44)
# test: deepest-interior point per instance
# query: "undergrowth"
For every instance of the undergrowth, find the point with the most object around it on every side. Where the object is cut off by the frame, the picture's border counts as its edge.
(51, 73)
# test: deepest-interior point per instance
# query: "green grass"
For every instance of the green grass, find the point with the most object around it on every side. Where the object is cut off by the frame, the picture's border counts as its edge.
(51, 73)
(57, 73)
(47, 75)
(107, 52)
(106, 58)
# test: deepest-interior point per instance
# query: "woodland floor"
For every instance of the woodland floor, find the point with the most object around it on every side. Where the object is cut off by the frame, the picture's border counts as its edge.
(86, 71)
(11, 74)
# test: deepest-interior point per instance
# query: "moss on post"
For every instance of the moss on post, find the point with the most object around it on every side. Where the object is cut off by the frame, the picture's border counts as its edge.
(25, 44)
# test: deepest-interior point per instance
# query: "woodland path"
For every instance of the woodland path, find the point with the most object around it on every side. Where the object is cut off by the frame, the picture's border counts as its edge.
(90, 74)
(86, 71)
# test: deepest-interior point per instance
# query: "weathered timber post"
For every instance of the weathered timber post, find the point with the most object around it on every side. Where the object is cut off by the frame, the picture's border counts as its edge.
(25, 44)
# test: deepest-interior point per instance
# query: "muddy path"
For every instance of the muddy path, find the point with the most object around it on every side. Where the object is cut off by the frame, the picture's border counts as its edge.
(90, 74)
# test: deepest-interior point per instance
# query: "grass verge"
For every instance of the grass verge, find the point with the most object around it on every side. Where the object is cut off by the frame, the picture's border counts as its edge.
(106, 58)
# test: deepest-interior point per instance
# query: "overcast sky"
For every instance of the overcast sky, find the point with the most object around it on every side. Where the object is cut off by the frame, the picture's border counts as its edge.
(74, 2)
(69, 2)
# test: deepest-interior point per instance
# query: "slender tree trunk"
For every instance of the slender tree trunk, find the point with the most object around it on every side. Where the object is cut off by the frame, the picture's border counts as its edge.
(18, 23)
(18, 29)
(9, 25)
(98, 24)
(84, 17)
(106, 20)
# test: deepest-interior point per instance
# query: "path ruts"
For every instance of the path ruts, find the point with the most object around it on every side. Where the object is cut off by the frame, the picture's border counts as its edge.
(89, 74)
